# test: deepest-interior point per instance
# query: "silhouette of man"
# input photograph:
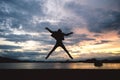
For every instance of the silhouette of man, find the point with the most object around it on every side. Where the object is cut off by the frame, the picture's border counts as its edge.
(59, 36)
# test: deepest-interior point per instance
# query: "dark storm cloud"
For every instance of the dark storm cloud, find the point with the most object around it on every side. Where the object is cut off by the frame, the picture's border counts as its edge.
(12, 53)
(16, 54)
(20, 12)
(97, 35)
(16, 13)
(78, 38)
(9, 47)
(84, 37)
(26, 37)
(16, 38)
(119, 32)
(97, 19)
(103, 42)
(61, 25)
(40, 27)
(109, 22)
(43, 39)
(30, 6)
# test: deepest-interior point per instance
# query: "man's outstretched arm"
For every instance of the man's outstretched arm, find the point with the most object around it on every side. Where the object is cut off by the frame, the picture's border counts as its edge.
(68, 34)
(48, 29)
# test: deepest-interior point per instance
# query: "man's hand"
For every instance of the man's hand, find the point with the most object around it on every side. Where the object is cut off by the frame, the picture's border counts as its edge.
(71, 32)
(68, 34)
(46, 27)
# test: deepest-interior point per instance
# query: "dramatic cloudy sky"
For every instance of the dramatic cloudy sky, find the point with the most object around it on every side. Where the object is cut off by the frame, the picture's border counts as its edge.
(95, 23)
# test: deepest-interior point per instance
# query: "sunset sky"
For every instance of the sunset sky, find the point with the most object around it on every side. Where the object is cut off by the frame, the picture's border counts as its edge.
(95, 23)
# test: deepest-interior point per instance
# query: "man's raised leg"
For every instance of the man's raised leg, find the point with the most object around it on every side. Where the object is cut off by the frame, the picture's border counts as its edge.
(66, 51)
(51, 51)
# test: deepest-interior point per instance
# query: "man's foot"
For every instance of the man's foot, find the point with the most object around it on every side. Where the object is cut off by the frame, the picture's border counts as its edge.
(46, 57)
(71, 57)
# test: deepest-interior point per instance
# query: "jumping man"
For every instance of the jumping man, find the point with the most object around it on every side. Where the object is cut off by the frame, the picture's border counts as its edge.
(58, 36)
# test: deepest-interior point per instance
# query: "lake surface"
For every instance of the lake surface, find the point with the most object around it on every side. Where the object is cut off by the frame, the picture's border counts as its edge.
(58, 66)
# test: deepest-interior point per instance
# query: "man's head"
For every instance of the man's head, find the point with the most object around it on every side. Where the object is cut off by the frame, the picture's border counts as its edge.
(59, 30)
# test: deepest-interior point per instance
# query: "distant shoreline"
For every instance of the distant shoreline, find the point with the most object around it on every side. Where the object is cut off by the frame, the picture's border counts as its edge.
(8, 60)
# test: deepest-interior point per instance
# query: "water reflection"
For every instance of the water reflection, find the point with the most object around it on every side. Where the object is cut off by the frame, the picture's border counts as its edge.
(58, 66)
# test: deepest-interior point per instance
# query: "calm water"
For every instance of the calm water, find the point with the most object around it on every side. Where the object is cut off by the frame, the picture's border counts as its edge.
(58, 66)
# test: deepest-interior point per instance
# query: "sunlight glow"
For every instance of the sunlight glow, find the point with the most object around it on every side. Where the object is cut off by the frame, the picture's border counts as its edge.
(29, 45)
(21, 32)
